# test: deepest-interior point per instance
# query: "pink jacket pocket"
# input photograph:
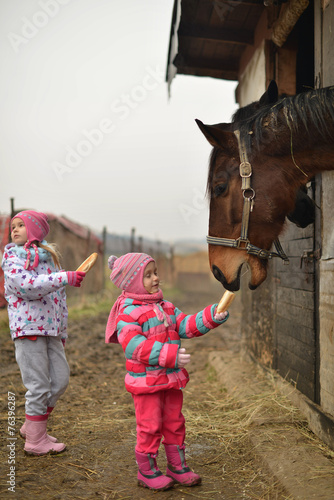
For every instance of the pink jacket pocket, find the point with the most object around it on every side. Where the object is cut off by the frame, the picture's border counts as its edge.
(157, 376)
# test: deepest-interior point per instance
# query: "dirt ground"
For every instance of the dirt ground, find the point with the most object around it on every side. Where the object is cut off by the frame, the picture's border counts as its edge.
(95, 418)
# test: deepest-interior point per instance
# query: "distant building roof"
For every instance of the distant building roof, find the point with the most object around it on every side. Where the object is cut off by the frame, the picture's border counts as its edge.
(76, 228)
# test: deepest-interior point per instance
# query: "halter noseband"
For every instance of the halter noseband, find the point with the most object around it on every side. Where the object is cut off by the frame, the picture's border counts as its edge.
(243, 243)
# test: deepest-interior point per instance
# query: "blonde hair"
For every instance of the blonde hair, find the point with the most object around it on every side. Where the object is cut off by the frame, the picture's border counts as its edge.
(55, 254)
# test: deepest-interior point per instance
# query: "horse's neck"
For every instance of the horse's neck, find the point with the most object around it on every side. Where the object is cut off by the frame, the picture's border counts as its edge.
(313, 159)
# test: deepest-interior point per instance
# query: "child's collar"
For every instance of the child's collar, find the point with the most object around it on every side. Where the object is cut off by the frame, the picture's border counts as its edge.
(44, 255)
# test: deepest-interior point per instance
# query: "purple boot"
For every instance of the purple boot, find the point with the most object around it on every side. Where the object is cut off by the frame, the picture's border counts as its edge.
(149, 475)
(177, 468)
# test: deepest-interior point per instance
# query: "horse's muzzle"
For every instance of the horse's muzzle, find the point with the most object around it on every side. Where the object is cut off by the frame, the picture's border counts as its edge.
(234, 286)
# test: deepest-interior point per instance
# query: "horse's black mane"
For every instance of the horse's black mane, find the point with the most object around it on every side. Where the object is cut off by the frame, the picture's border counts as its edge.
(314, 108)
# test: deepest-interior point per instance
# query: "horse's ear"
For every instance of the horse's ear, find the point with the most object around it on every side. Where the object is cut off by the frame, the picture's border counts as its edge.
(271, 94)
(217, 135)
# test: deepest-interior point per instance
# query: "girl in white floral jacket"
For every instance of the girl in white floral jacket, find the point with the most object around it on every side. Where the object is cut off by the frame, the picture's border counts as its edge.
(37, 310)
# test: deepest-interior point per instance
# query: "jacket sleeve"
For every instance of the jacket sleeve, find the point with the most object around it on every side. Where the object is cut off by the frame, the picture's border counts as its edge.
(24, 284)
(137, 347)
(196, 325)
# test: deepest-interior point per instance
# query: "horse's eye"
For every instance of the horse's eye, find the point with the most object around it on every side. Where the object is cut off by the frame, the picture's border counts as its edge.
(221, 189)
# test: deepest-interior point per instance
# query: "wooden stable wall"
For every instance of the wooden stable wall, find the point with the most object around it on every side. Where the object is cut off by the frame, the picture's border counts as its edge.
(278, 317)
(324, 76)
(294, 332)
(288, 323)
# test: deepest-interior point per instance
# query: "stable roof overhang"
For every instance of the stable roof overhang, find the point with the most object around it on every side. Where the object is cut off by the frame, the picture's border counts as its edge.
(208, 37)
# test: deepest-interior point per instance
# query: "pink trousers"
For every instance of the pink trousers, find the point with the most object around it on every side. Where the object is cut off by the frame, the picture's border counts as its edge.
(159, 415)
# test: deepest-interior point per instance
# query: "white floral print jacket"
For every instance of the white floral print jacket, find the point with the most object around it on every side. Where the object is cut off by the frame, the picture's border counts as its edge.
(36, 297)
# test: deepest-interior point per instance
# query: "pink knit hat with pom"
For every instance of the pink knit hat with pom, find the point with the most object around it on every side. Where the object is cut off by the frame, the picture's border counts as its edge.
(36, 224)
(127, 271)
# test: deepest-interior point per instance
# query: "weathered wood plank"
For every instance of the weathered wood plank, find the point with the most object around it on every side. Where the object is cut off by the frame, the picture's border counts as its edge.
(295, 248)
(303, 385)
(301, 365)
(301, 350)
(326, 379)
(292, 232)
(296, 332)
(301, 298)
(296, 280)
(298, 315)
(327, 398)
(297, 265)
(326, 314)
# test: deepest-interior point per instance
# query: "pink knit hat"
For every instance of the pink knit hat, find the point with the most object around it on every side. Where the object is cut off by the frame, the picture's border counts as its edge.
(36, 224)
(128, 271)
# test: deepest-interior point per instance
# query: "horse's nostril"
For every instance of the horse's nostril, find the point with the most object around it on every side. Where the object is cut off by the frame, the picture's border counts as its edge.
(217, 273)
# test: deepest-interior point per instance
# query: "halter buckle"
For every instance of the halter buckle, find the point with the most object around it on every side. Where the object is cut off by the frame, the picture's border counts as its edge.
(245, 169)
(249, 191)
(249, 195)
(264, 254)
(242, 241)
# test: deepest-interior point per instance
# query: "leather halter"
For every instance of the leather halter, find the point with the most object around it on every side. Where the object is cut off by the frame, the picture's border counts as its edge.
(243, 243)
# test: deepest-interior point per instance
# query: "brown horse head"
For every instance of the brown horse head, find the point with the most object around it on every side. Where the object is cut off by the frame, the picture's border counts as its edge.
(286, 143)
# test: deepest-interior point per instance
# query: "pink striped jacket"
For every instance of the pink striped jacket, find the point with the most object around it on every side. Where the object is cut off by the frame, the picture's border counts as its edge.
(151, 344)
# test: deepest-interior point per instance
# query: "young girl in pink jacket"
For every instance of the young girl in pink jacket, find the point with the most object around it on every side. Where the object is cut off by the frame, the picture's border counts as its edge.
(150, 330)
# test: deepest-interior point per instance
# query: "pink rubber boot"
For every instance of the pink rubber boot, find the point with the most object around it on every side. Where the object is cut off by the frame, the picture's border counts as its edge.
(50, 438)
(37, 442)
(177, 468)
(149, 474)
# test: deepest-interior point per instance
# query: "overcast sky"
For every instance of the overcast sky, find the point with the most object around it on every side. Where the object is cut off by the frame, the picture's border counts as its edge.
(87, 129)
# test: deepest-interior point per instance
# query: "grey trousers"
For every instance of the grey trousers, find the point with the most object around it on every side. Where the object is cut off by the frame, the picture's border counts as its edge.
(44, 370)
